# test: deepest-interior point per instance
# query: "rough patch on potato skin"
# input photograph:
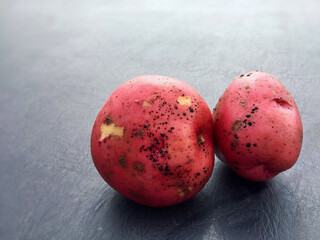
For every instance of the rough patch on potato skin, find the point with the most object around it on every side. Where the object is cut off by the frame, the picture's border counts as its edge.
(237, 125)
(245, 123)
(133, 194)
(138, 133)
(234, 144)
(158, 150)
(122, 161)
(158, 147)
(138, 166)
(107, 176)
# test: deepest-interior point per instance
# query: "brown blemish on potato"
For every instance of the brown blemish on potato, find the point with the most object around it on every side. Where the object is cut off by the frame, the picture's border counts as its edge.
(243, 102)
(138, 166)
(181, 193)
(133, 194)
(139, 133)
(110, 129)
(247, 87)
(235, 143)
(107, 176)
(184, 100)
(189, 161)
(237, 125)
(146, 104)
(122, 161)
(200, 139)
(190, 189)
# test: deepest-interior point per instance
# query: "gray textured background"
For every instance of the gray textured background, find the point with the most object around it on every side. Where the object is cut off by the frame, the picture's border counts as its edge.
(60, 60)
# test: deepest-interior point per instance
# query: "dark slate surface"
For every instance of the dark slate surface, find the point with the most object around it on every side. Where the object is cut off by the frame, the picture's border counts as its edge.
(60, 60)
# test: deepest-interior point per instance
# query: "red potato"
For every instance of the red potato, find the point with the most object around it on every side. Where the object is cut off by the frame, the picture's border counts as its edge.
(152, 141)
(257, 127)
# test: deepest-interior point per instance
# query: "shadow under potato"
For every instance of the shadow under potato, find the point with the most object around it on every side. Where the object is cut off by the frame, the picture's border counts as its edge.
(229, 207)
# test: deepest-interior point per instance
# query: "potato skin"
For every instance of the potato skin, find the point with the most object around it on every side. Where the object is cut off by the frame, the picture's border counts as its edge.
(257, 127)
(165, 154)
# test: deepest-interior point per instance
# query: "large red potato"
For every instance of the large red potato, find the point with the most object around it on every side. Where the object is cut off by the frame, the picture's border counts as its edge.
(257, 127)
(152, 141)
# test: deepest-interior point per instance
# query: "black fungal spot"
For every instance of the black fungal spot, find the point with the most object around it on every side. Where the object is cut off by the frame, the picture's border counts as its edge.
(248, 144)
(249, 123)
(254, 109)
(248, 115)
(156, 141)
(108, 120)
(191, 110)
(166, 168)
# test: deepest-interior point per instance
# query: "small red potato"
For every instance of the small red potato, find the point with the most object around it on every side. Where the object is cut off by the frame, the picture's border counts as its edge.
(152, 141)
(257, 127)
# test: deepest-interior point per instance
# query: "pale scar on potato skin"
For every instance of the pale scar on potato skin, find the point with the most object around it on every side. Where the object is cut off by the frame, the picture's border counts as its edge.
(110, 129)
(200, 139)
(184, 100)
(146, 104)
(181, 193)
